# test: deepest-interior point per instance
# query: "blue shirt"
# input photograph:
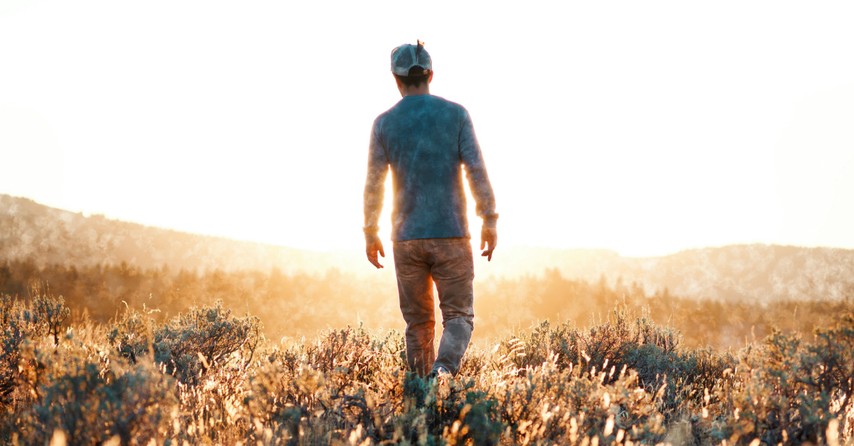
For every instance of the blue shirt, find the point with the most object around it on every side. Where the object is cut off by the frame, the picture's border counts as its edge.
(426, 141)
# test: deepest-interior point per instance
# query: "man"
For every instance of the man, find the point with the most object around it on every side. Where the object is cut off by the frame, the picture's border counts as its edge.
(426, 141)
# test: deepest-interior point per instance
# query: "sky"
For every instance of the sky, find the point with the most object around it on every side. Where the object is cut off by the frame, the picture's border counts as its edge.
(642, 127)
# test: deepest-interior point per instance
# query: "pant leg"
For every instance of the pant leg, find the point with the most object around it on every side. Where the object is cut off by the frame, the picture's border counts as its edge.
(415, 292)
(453, 271)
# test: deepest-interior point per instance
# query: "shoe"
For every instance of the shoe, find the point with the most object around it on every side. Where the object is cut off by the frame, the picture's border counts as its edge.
(438, 373)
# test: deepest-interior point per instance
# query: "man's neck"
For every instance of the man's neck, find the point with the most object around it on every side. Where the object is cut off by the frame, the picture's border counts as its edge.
(416, 91)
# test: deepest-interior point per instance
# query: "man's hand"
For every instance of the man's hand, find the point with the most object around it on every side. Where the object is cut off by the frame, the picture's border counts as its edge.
(488, 239)
(372, 246)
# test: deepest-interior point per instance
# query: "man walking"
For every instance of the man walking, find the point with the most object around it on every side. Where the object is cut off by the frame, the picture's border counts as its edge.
(426, 141)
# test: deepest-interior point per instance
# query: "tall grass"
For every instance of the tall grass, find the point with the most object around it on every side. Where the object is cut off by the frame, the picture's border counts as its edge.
(208, 376)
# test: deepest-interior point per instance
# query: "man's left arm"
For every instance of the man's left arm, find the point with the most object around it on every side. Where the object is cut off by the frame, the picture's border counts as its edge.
(481, 188)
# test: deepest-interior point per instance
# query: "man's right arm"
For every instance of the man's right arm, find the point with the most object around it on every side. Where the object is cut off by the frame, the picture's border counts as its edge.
(374, 193)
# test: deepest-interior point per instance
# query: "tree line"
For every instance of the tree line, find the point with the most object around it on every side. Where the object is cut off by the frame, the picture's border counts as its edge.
(301, 304)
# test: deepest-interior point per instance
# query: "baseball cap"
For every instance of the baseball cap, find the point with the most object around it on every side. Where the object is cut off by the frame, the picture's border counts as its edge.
(406, 56)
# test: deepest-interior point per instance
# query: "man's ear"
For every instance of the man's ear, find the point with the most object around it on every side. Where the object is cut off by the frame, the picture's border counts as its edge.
(400, 86)
(430, 77)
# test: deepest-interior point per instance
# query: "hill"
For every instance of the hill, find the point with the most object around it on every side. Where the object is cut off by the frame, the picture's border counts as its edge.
(50, 236)
(752, 273)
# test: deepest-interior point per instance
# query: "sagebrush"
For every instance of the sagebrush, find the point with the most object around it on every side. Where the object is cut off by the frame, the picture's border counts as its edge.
(208, 376)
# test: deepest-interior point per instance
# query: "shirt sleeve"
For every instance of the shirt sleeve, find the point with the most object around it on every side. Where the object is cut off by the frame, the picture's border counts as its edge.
(375, 182)
(472, 159)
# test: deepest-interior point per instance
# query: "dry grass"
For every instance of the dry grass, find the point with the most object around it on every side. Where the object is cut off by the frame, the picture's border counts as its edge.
(209, 377)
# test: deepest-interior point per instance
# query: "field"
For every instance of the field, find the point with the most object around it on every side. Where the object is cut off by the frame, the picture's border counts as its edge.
(209, 376)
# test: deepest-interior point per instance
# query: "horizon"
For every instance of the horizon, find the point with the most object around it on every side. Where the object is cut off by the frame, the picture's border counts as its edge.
(474, 241)
(59, 242)
(669, 127)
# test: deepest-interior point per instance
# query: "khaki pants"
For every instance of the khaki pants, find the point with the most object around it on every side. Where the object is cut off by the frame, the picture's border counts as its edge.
(448, 262)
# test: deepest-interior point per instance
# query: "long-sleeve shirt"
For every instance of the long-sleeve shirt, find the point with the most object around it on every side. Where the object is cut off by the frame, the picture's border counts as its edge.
(426, 141)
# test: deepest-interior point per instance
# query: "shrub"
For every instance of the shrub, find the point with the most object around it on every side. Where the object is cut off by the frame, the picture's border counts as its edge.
(24, 324)
(132, 334)
(346, 380)
(51, 313)
(789, 390)
(91, 404)
(191, 343)
(622, 380)
(12, 338)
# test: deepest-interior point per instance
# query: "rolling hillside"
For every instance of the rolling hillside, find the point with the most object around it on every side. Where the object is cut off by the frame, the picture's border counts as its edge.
(755, 273)
(29, 230)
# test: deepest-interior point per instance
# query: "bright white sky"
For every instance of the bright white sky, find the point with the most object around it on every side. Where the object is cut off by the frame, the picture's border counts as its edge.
(643, 127)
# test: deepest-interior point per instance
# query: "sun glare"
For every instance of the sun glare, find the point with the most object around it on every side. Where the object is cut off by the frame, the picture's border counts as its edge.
(251, 134)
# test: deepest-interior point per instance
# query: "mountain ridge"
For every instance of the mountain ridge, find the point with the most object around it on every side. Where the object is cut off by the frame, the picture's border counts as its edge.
(46, 235)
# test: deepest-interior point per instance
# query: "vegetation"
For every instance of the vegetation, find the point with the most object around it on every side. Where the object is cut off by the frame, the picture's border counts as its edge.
(208, 376)
(301, 304)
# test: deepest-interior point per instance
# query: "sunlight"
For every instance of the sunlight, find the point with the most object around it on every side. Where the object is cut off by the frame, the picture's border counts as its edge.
(250, 134)
(182, 187)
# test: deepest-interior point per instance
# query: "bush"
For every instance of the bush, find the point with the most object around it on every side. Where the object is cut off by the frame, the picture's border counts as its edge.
(51, 313)
(622, 380)
(789, 390)
(91, 404)
(24, 324)
(12, 338)
(132, 334)
(190, 344)
(345, 380)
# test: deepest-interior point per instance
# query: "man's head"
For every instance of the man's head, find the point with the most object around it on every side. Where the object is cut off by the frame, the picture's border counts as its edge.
(411, 65)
